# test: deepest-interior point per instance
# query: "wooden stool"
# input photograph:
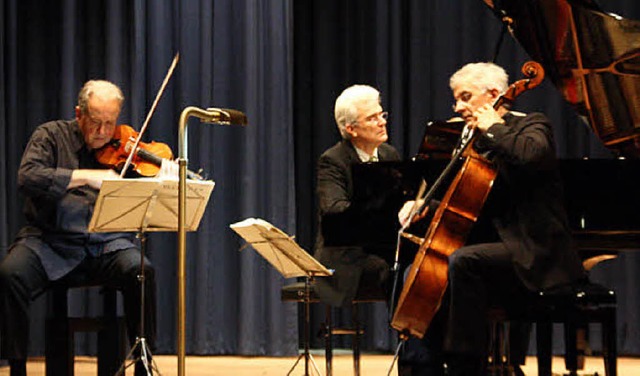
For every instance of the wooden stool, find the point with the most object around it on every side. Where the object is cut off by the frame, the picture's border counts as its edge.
(575, 307)
(60, 330)
(295, 292)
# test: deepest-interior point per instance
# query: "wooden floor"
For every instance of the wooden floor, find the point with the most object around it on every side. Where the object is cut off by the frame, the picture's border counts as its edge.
(372, 365)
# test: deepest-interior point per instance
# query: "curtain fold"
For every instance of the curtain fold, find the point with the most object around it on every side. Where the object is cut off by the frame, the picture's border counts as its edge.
(283, 63)
(232, 55)
(408, 49)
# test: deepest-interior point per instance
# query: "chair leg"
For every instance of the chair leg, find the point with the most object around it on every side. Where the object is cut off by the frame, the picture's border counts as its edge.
(495, 342)
(59, 339)
(356, 339)
(543, 347)
(111, 337)
(609, 345)
(111, 347)
(59, 348)
(328, 340)
(571, 346)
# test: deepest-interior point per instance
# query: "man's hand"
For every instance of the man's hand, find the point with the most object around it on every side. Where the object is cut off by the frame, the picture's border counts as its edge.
(92, 178)
(404, 215)
(486, 116)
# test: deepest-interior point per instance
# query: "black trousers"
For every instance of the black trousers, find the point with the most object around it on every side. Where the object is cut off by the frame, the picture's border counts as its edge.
(480, 276)
(22, 279)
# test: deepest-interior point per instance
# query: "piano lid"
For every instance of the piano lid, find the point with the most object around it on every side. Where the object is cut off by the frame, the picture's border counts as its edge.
(592, 57)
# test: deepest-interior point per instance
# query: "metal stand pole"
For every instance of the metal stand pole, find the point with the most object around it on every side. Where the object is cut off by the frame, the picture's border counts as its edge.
(307, 323)
(395, 356)
(141, 343)
(209, 115)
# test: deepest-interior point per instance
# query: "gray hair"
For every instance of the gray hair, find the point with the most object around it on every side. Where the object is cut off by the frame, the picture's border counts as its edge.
(348, 103)
(101, 88)
(484, 76)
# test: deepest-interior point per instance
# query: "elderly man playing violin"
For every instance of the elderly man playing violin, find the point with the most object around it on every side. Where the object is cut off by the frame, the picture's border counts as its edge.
(60, 177)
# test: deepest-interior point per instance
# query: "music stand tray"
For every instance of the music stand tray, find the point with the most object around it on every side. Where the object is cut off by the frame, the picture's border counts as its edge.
(281, 251)
(147, 204)
(142, 205)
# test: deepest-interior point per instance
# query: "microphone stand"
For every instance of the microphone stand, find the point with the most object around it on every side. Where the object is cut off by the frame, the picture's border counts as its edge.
(211, 115)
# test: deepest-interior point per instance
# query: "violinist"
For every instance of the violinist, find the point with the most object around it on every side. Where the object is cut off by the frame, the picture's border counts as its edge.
(532, 248)
(59, 177)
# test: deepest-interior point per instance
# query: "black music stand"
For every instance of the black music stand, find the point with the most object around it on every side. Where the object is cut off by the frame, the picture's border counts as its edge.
(281, 251)
(143, 205)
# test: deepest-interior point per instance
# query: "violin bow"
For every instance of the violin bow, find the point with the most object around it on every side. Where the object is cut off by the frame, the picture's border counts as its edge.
(151, 111)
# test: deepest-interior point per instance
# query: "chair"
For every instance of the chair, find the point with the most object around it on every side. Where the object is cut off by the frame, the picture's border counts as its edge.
(575, 307)
(295, 293)
(60, 330)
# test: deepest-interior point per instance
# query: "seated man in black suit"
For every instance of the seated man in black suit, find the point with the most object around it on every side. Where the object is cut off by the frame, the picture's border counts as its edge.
(359, 269)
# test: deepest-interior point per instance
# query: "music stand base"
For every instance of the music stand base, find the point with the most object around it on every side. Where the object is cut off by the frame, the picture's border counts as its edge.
(145, 357)
(307, 358)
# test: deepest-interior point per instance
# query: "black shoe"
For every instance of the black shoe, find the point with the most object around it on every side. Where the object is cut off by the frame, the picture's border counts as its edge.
(18, 367)
(462, 365)
(517, 371)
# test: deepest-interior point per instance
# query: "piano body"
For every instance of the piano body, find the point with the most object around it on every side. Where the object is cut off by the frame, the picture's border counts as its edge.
(593, 58)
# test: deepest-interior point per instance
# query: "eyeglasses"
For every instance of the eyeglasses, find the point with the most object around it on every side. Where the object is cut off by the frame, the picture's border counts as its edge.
(384, 115)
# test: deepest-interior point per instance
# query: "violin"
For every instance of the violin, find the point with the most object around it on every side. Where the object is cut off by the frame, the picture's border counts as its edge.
(146, 160)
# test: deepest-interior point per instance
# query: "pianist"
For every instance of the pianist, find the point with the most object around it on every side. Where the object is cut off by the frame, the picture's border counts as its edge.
(363, 126)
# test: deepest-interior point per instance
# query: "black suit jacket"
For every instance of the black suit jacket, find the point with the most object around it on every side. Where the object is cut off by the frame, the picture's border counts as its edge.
(526, 203)
(339, 244)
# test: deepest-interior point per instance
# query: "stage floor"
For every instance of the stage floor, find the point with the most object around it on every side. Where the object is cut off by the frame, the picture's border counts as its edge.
(371, 365)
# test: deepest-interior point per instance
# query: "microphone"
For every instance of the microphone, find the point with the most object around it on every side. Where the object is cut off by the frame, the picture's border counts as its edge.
(223, 116)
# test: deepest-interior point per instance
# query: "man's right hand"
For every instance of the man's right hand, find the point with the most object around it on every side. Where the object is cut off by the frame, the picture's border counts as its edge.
(92, 178)
(409, 207)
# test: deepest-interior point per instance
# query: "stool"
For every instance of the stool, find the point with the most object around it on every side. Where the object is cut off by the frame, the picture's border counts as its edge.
(295, 292)
(60, 330)
(574, 306)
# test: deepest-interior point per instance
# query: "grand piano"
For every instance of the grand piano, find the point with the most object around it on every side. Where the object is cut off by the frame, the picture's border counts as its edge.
(593, 58)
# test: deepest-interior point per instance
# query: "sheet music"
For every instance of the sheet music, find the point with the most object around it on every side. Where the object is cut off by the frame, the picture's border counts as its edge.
(279, 249)
(148, 204)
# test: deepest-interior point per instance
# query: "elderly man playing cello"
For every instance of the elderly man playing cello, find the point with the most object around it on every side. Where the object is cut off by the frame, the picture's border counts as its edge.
(533, 249)
(60, 178)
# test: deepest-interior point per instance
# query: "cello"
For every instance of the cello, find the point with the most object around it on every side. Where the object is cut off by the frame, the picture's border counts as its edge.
(456, 214)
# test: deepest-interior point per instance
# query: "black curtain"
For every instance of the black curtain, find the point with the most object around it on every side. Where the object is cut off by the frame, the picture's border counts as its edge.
(233, 54)
(283, 63)
(408, 49)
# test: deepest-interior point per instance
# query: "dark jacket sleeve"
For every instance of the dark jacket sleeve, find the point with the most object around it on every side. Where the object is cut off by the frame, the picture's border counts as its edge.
(39, 175)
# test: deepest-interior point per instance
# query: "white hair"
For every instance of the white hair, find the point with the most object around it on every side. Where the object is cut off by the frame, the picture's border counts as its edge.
(483, 76)
(348, 103)
(101, 88)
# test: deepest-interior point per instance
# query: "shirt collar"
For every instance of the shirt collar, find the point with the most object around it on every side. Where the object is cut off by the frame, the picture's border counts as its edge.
(364, 157)
(78, 137)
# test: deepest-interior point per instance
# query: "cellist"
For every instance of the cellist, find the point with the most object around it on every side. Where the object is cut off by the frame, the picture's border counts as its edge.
(532, 250)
